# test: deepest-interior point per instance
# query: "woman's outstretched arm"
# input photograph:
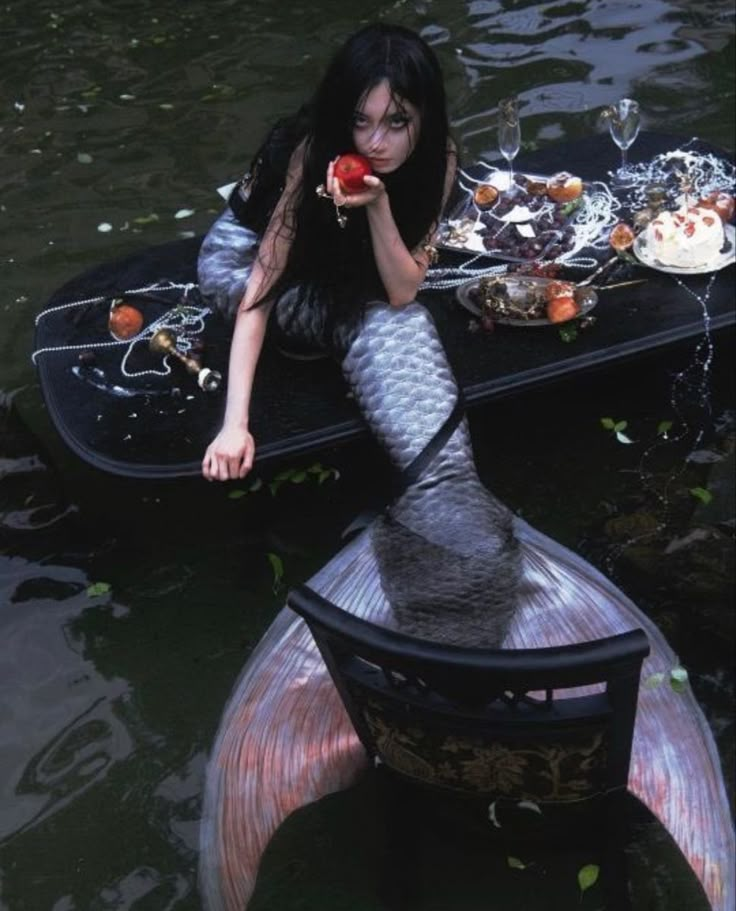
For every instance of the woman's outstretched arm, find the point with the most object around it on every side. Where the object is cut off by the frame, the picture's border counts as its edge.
(230, 455)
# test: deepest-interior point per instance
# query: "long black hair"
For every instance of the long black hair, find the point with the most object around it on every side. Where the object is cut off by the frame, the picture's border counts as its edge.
(339, 261)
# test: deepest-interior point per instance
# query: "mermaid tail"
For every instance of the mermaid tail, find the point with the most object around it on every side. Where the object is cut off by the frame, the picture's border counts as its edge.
(225, 262)
(285, 739)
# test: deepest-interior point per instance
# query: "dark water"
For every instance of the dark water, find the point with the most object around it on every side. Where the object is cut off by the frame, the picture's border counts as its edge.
(126, 113)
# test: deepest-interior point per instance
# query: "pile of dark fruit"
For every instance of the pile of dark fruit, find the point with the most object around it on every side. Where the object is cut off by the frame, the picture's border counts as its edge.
(554, 233)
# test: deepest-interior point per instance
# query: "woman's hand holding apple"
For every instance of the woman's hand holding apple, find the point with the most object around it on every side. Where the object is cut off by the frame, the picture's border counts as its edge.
(350, 181)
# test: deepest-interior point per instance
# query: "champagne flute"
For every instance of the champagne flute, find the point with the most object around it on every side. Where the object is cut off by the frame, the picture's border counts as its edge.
(509, 133)
(623, 124)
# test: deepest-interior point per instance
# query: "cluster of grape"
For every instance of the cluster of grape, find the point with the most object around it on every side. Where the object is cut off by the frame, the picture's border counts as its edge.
(537, 269)
(552, 233)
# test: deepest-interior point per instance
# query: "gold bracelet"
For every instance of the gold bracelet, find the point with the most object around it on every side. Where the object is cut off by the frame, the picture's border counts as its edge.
(432, 253)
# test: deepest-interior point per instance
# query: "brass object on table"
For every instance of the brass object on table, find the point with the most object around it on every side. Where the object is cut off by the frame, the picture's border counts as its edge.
(642, 218)
(656, 197)
(163, 341)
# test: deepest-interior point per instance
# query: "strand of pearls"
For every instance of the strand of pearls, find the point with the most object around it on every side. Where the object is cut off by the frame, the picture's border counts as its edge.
(693, 377)
(186, 320)
(167, 286)
(597, 213)
(705, 171)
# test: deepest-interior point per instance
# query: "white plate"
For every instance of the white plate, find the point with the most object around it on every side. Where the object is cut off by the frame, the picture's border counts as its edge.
(718, 262)
(518, 286)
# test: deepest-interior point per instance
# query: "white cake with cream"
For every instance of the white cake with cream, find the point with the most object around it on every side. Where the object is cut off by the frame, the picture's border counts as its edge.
(692, 236)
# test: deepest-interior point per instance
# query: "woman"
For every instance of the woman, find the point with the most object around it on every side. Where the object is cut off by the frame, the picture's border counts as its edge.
(446, 560)
(382, 97)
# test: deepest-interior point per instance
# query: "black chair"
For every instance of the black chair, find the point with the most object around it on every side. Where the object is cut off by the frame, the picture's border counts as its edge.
(488, 737)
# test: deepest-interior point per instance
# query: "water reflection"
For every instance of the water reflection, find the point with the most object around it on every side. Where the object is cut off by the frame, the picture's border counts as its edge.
(567, 61)
(60, 732)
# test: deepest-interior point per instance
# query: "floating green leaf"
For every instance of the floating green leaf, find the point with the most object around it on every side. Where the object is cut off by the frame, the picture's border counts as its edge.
(654, 680)
(588, 876)
(277, 566)
(298, 475)
(146, 219)
(515, 863)
(568, 333)
(702, 494)
(97, 589)
(618, 428)
(678, 679)
(84, 158)
(256, 485)
(663, 428)
(236, 494)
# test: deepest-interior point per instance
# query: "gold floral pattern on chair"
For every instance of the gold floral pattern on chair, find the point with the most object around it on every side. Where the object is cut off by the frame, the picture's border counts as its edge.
(551, 771)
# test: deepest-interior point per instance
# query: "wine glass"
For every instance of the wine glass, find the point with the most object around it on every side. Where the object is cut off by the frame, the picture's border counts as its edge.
(623, 125)
(509, 133)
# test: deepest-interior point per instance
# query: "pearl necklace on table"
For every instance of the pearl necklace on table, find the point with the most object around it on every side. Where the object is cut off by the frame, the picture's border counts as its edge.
(183, 319)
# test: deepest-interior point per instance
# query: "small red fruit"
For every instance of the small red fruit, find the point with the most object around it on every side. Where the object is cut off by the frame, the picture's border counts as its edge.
(557, 289)
(621, 236)
(350, 169)
(560, 309)
(124, 321)
(564, 187)
(723, 203)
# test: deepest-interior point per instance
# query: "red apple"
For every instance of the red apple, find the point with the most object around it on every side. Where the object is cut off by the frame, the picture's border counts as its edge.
(350, 169)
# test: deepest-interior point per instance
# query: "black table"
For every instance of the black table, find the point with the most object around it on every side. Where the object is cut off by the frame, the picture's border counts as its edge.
(297, 406)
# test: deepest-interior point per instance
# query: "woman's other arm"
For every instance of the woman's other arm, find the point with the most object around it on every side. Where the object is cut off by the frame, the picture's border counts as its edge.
(402, 271)
(230, 455)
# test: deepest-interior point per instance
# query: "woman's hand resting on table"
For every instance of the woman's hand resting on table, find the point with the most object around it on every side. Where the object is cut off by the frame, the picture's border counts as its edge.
(230, 455)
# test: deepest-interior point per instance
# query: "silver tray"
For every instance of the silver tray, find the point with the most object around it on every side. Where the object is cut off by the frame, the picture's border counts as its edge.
(519, 287)
(724, 258)
(463, 229)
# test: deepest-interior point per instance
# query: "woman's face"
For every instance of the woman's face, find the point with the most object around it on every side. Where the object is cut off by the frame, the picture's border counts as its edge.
(385, 128)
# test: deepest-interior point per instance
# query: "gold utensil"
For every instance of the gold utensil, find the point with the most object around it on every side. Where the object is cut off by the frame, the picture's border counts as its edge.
(163, 341)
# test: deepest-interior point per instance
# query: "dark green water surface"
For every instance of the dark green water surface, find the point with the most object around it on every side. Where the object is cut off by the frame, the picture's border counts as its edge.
(129, 115)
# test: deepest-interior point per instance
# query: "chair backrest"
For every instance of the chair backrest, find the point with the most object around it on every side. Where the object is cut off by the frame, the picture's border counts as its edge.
(494, 723)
